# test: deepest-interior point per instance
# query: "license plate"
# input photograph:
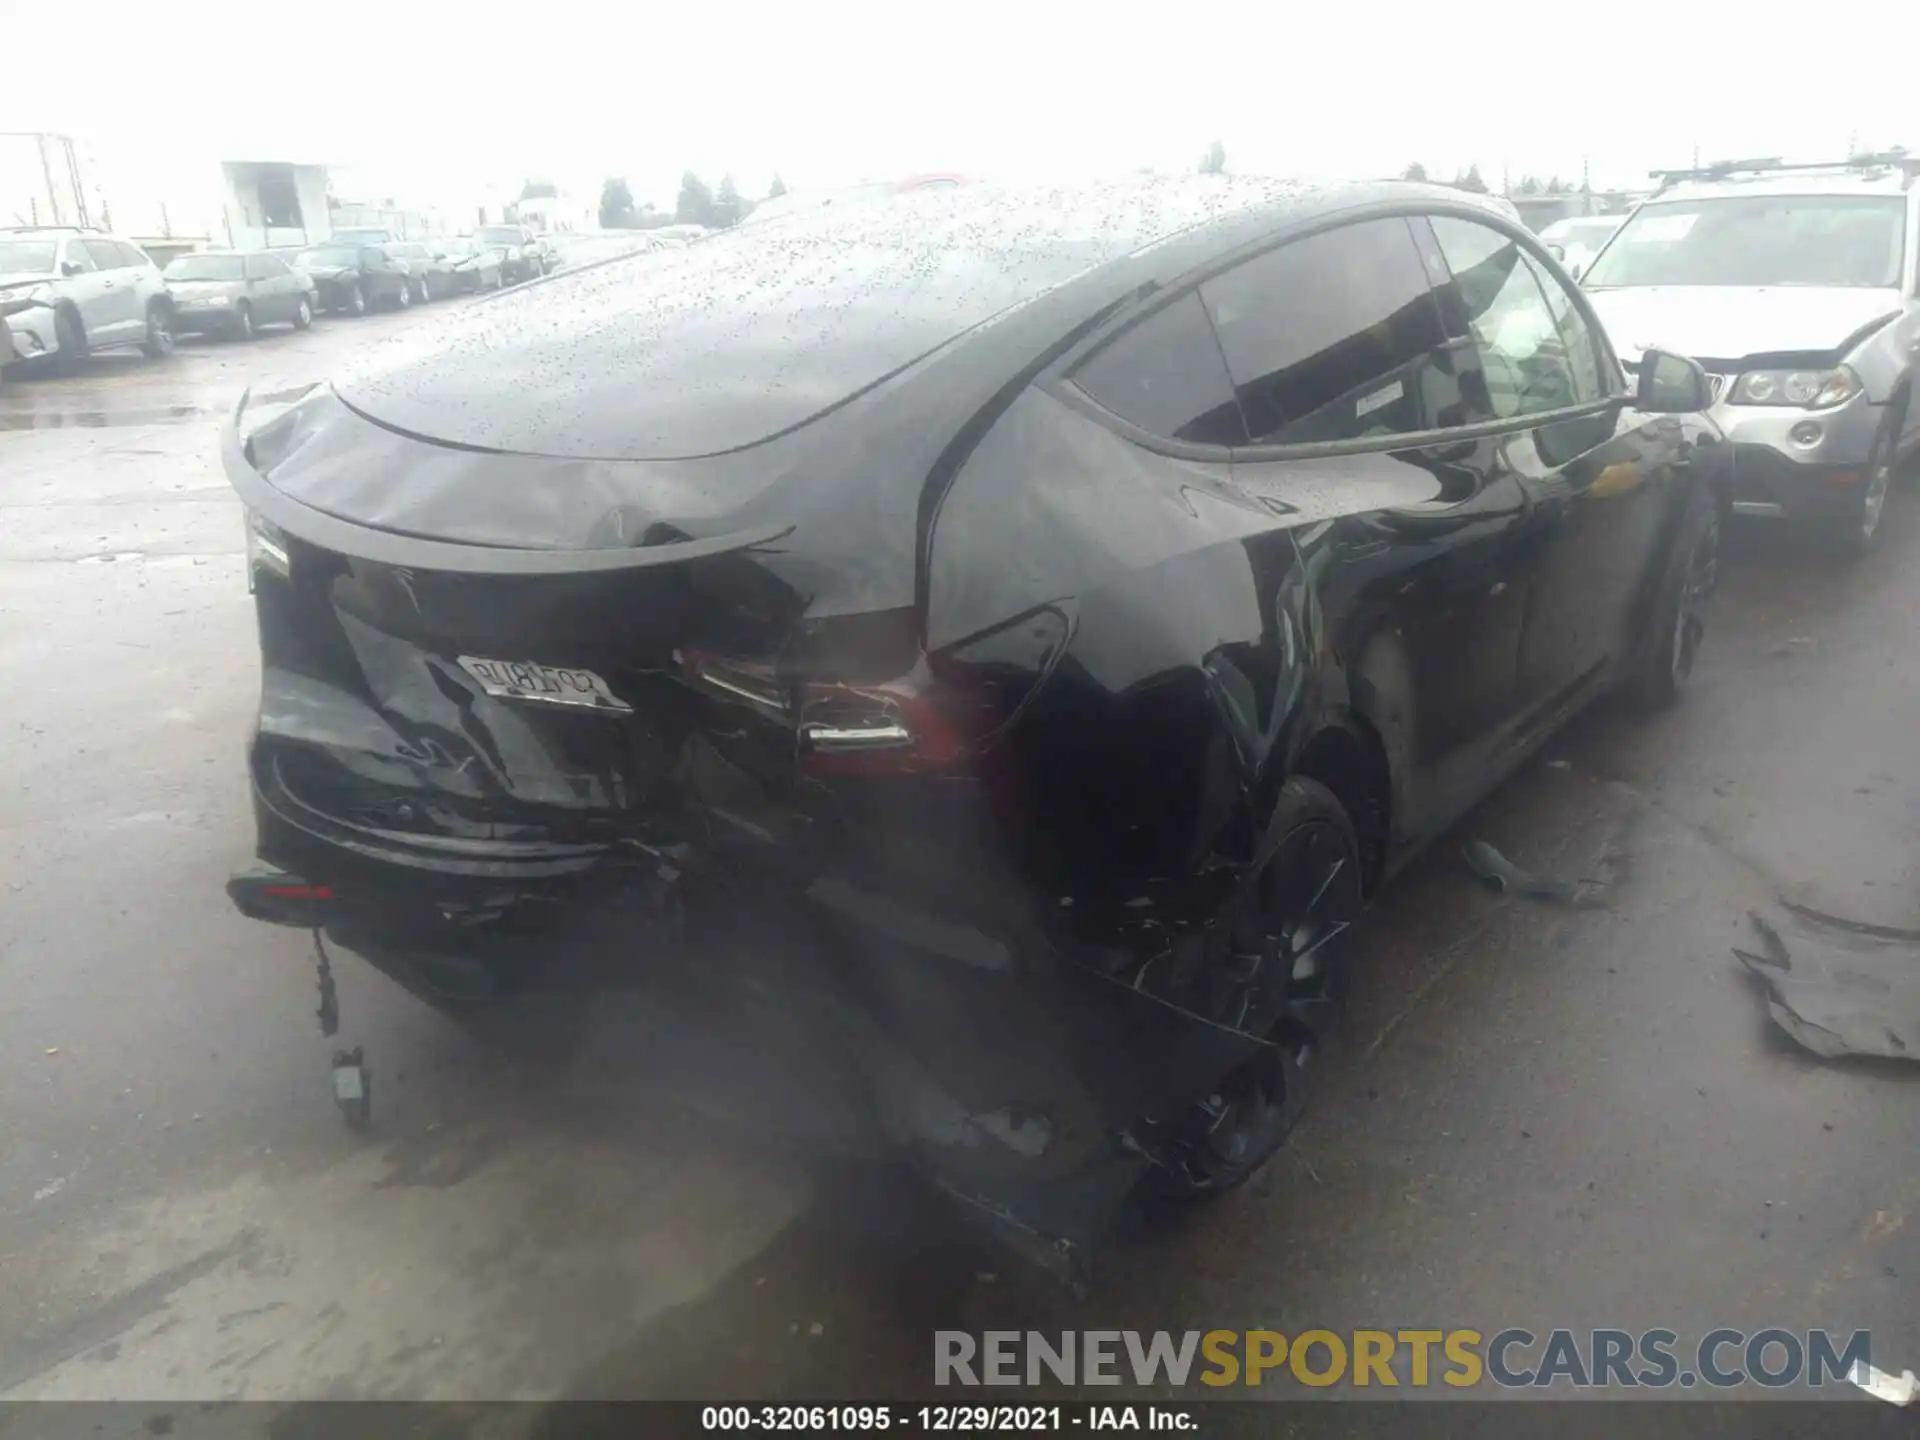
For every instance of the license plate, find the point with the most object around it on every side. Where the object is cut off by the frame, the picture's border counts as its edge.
(544, 684)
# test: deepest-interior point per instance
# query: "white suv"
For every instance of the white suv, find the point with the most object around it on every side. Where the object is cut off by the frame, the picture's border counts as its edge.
(83, 291)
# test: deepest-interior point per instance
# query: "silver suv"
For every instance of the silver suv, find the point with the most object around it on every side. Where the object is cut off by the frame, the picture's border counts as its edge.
(1795, 286)
(67, 292)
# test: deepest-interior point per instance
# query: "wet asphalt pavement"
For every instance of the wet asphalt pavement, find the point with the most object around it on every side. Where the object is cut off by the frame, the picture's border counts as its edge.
(1539, 1117)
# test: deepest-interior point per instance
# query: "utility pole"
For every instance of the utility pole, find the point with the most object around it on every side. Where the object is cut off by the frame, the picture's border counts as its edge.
(46, 169)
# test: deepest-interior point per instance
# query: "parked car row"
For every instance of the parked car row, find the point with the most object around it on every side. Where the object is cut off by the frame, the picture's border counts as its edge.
(66, 292)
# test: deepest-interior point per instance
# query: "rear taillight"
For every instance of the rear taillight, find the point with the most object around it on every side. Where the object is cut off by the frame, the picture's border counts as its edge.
(900, 726)
(860, 729)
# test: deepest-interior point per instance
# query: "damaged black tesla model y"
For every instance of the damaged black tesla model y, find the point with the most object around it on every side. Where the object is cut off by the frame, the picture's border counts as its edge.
(1072, 605)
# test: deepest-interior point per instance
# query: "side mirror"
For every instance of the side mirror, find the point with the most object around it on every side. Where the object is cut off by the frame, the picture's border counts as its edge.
(71, 267)
(1671, 385)
(439, 254)
(1558, 252)
(1579, 268)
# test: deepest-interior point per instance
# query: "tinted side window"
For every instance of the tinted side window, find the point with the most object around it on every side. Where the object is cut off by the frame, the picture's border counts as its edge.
(132, 254)
(1167, 376)
(1531, 361)
(74, 252)
(1336, 337)
(103, 254)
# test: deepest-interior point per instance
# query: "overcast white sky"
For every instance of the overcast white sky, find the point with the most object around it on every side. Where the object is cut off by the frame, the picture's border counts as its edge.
(825, 94)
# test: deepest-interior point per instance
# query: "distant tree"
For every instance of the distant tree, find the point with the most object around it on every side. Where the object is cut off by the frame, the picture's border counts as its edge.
(539, 190)
(616, 204)
(651, 217)
(1470, 180)
(1529, 185)
(777, 189)
(1214, 162)
(730, 207)
(1557, 186)
(695, 205)
(1415, 171)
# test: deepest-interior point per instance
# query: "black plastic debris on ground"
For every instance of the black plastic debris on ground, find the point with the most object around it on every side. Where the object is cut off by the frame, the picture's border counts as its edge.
(1838, 987)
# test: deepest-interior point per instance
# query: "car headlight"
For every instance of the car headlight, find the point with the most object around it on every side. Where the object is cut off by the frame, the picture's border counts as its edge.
(266, 549)
(218, 299)
(1804, 389)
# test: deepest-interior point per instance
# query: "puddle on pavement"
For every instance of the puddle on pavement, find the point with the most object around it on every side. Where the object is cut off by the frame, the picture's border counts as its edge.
(97, 418)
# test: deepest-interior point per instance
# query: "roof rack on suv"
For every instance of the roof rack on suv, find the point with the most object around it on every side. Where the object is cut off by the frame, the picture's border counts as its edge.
(1870, 164)
(42, 229)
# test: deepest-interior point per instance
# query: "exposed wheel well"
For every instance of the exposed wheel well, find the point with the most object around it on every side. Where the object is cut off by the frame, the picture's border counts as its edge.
(1349, 759)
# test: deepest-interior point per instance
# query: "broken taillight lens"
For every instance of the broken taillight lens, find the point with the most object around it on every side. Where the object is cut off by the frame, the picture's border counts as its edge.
(900, 726)
(897, 728)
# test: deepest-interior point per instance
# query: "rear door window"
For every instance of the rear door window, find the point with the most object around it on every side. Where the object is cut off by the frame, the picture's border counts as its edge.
(74, 253)
(1167, 376)
(132, 255)
(103, 253)
(1336, 337)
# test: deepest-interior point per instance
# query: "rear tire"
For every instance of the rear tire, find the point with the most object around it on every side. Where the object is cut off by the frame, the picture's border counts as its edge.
(158, 343)
(243, 321)
(356, 300)
(303, 316)
(1679, 622)
(1272, 965)
(424, 294)
(403, 298)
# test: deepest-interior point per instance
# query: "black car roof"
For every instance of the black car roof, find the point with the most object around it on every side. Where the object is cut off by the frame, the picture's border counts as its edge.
(754, 331)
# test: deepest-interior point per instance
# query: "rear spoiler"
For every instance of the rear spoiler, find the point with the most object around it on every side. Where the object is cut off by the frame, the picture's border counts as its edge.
(392, 547)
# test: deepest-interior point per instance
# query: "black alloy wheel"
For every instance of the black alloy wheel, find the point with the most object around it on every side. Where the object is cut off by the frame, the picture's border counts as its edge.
(1274, 969)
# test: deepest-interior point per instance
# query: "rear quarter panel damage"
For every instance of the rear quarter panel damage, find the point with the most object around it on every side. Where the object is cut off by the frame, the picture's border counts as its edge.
(1120, 809)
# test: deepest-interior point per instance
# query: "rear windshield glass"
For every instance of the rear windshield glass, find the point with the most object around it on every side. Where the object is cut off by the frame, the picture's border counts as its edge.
(1838, 240)
(205, 267)
(729, 341)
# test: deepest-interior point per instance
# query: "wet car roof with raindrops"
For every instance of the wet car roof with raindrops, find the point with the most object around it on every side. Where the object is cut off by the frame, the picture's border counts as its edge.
(748, 333)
